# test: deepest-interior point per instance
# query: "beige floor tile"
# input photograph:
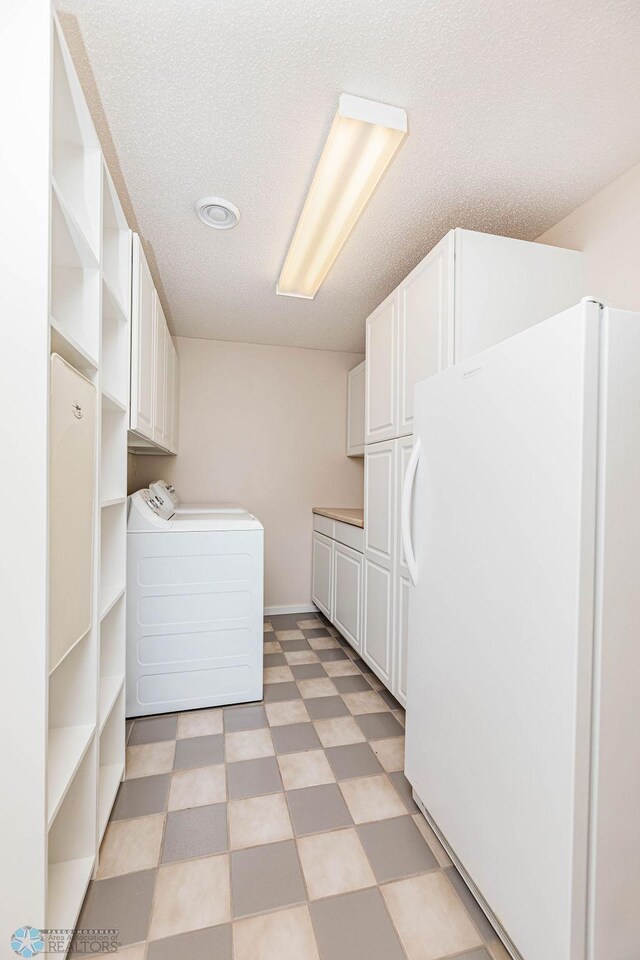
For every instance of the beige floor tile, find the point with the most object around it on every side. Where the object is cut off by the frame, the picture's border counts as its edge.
(307, 769)
(431, 921)
(147, 759)
(197, 787)
(267, 628)
(285, 935)
(289, 634)
(338, 731)
(400, 716)
(296, 657)
(190, 895)
(317, 687)
(291, 711)
(497, 951)
(280, 674)
(323, 643)
(390, 753)
(367, 701)
(334, 863)
(437, 849)
(248, 745)
(372, 798)
(131, 845)
(258, 820)
(340, 668)
(200, 723)
(309, 624)
(272, 646)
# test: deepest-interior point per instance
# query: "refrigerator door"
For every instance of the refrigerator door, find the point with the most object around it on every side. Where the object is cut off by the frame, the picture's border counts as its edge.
(500, 623)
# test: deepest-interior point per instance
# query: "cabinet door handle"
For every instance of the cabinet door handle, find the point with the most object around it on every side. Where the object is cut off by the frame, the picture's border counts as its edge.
(405, 512)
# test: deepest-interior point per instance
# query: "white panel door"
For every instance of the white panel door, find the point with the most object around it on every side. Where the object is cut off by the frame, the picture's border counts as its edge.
(402, 580)
(161, 418)
(323, 574)
(143, 370)
(381, 373)
(380, 499)
(355, 410)
(425, 327)
(498, 726)
(347, 592)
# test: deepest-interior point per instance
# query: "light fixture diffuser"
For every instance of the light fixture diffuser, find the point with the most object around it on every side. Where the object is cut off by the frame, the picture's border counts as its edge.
(362, 141)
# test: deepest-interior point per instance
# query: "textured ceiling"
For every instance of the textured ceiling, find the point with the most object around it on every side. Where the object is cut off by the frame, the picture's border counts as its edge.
(518, 110)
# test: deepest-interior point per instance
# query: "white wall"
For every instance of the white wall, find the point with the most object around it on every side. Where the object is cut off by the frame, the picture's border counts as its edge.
(607, 229)
(265, 426)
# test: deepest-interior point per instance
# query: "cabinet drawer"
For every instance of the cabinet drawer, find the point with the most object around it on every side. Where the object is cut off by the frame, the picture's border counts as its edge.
(323, 525)
(349, 535)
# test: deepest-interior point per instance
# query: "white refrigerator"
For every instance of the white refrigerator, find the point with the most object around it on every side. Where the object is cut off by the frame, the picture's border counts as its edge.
(521, 525)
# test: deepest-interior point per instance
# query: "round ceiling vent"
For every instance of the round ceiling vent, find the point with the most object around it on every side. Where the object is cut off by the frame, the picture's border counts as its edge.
(218, 213)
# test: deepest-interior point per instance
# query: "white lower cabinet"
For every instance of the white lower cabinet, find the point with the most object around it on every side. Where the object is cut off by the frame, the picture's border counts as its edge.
(322, 573)
(347, 592)
(338, 576)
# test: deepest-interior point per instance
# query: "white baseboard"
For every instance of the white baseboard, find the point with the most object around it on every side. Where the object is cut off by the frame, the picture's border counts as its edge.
(293, 608)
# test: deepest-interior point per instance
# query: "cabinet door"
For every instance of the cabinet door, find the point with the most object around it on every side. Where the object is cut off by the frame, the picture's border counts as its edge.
(322, 573)
(355, 410)
(379, 557)
(381, 374)
(142, 345)
(160, 419)
(347, 592)
(424, 325)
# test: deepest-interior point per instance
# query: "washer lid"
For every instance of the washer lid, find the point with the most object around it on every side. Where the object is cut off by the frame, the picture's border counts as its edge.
(183, 522)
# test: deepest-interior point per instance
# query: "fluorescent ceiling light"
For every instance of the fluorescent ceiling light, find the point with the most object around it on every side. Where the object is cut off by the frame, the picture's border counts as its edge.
(362, 141)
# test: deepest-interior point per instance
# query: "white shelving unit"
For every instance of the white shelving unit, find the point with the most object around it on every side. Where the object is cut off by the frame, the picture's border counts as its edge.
(72, 297)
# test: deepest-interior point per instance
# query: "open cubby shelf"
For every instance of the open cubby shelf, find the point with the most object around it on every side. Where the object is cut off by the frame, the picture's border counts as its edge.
(113, 546)
(111, 760)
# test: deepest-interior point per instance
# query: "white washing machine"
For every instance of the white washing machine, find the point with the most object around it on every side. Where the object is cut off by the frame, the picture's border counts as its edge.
(166, 494)
(194, 608)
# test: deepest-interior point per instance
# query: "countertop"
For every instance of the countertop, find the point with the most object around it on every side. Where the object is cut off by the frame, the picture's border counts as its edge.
(343, 514)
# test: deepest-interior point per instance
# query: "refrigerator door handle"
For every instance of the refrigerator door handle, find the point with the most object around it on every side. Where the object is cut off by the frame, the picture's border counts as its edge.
(405, 511)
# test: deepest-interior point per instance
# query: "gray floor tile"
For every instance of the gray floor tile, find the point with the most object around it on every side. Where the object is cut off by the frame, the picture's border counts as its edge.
(154, 729)
(352, 684)
(199, 752)
(195, 832)
(355, 927)
(307, 671)
(396, 848)
(247, 717)
(317, 809)
(213, 943)
(316, 632)
(276, 692)
(378, 726)
(323, 708)
(274, 660)
(359, 662)
(353, 760)
(295, 737)
(289, 645)
(389, 699)
(121, 903)
(141, 796)
(265, 878)
(478, 916)
(254, 778)
(479, 954)
(403, 787)
(334, 653)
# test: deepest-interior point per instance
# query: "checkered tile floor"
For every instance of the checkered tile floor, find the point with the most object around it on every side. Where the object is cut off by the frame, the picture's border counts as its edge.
(283, 830)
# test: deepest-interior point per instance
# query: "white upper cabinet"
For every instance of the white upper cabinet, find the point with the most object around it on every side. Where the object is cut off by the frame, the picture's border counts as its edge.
(472, 291)
(154, 365)
(381, 374)
(355, 410)
(424, 344)
(143, 346)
